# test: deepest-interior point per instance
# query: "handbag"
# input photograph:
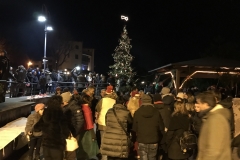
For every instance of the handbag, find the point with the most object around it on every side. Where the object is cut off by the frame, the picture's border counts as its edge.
(129, 138)
(71, 143)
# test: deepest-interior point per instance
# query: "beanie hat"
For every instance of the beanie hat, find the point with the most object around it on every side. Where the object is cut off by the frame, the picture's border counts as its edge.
(39, 106)
(157, 97)
(165, 90)
(146, 98)
(109, 89)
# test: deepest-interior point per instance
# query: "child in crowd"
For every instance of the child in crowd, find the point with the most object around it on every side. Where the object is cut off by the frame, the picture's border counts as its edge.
(58, 91)
(35, 137)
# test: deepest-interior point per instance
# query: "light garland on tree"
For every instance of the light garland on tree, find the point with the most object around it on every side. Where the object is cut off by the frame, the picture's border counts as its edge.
(122, 57)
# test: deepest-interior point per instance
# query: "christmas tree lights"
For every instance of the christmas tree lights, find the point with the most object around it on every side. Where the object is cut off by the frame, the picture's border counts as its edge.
(122, 58)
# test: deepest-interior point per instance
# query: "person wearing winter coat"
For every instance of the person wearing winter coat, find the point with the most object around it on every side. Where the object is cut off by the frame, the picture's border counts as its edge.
(179, 123)
(53, 125)
(149, 128)
(42, 83)
(66, 95)
(215, 136)
(102, 107)
(165, 113)
(88, 147)
(134, 102)
(196, 119)
(35, 137)
(114, 141)
(226, 103)
(75, 120)
(167, 98)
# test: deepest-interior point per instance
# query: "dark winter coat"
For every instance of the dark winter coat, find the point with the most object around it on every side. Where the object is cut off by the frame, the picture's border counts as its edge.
(148, 124)
(179, 123)
(114, 141)
(42, 80)
(196, 123)
(168, 102)
(74, 117)
(165, 113)
(54, 128)
(34, 79)
(21, 75)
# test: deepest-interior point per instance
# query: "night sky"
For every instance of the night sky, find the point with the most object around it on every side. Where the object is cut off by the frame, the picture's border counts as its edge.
(161, 31)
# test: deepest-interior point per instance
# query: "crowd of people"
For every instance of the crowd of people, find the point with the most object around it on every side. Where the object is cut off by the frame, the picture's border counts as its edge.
(33, 81)
(135, 125)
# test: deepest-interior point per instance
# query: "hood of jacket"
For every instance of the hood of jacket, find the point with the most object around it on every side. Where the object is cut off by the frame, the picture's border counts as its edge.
(221, 110)
(168, 99)
(227, 103)
(147, 110)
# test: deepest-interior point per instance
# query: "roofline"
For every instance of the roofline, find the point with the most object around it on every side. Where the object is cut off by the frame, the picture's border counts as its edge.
(170, 64)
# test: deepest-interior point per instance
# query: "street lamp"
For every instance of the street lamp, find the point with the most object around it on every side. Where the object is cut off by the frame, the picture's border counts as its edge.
(29, 63)
(47, 28)
(78, 68)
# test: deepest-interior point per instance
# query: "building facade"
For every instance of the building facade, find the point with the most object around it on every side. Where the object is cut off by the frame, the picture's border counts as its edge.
(77, 56)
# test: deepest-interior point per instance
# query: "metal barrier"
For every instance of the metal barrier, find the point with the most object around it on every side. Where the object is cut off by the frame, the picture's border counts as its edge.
(16, 89)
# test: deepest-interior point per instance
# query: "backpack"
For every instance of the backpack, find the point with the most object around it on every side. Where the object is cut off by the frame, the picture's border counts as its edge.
(188, 141)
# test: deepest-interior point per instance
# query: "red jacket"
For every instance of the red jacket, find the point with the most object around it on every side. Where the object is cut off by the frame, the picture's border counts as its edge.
(88, 117)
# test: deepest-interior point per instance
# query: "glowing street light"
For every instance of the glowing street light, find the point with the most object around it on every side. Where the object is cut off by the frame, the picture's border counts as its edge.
(41, 19)
(47, 28)
(29, 63)
(78, 68)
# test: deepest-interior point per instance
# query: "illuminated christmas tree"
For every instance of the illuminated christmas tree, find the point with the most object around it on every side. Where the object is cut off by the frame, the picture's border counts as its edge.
(122, 58)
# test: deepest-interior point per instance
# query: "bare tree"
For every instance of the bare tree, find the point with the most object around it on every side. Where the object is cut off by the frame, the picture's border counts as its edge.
(60, 51)
(60, 47)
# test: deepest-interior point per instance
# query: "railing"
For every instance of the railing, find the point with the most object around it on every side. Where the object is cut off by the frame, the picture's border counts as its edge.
(15, 89)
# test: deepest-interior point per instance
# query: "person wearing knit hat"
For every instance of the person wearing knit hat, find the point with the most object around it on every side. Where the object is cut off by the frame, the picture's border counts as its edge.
(157, 98)
(109, 89)
(102, 107)
(35, 136)
(39, 107)
(58, 91)
(168, 97)
(148, 126)
(134, 102)
(66, 95)
(161, 104)
(146, 98)
(165, 90)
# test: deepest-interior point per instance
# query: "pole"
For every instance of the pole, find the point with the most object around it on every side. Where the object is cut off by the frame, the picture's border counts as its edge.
(45, 47)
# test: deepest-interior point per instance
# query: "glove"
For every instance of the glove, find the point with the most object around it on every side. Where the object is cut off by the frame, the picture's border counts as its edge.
(93, 134)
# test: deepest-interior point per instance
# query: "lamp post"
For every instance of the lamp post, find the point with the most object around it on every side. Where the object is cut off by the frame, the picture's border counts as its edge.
(46, 29)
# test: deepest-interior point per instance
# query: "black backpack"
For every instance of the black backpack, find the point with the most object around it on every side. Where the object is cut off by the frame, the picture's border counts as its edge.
(188, 141)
